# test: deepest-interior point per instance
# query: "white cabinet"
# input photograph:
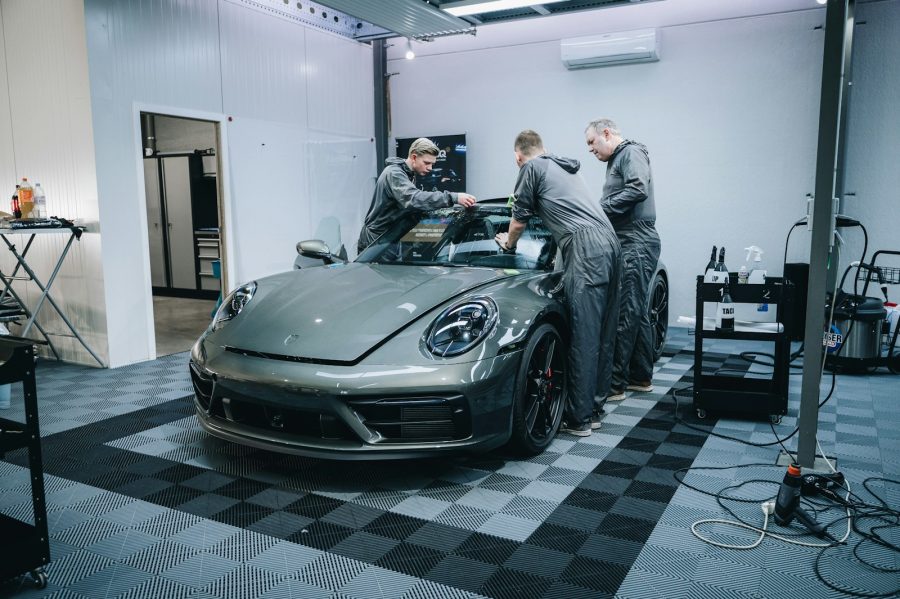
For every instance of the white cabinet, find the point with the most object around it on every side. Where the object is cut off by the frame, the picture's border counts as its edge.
(180, 225)
(170, 226)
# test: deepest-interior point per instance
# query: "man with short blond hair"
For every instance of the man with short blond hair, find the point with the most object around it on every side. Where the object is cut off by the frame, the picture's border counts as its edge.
(396, 193)
(628, 202)
(549, 186)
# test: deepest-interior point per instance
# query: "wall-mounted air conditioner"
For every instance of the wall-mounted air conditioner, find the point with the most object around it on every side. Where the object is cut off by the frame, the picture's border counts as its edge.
(623, 47)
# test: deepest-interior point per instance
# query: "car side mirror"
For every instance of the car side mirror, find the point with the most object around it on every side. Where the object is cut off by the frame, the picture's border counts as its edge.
(316, 248)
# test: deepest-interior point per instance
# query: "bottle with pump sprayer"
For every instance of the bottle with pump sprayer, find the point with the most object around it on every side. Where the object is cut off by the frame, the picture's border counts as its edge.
(757, 272)
(710, 267)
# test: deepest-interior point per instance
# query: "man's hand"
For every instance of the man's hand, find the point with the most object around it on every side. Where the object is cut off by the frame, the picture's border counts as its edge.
(465, 200)
(502, 239)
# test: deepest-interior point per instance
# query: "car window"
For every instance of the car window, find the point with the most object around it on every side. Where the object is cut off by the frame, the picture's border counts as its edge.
(457, 237)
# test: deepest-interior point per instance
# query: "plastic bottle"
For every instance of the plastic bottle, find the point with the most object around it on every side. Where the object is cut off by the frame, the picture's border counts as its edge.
(757, 272)
(16, 211)
(26, 198)
(725, 311)
(710, 267)
(743, 274)
(721, 273)
(40, 202)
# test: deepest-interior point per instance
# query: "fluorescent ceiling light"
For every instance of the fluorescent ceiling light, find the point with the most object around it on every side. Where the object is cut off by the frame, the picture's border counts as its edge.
(461, 9)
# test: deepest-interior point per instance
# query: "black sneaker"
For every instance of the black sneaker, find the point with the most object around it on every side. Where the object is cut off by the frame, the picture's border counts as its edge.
(595, 420)
(580, 430)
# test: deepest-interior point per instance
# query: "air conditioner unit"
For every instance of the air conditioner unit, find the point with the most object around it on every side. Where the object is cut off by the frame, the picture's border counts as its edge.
(623, 47)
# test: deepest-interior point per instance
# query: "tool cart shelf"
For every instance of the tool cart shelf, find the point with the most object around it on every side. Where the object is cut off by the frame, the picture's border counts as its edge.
(756, 396)
(25, 547)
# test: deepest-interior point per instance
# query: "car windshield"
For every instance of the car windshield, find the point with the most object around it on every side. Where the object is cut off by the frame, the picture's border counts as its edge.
(458, 237)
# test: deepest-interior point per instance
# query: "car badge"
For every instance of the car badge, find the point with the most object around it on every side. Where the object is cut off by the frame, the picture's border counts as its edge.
(291, 338)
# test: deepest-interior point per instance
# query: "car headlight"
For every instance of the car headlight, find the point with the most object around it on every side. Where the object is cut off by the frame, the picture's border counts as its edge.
(462, 326)
(233, 303)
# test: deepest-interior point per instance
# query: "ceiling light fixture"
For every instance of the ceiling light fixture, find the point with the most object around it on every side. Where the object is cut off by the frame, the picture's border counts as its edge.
(822, 1)
(409, 51)
(468, 7)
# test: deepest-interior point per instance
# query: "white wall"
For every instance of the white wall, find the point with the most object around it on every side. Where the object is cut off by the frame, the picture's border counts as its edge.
(45, 135)
(729, 113)
(873, 140)
(277, 86)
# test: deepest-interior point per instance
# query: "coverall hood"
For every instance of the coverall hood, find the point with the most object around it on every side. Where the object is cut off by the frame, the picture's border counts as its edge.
(630, 142)
(568, 164)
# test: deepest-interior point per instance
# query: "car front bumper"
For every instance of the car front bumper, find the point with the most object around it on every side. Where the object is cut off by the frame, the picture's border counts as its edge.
(354, 412)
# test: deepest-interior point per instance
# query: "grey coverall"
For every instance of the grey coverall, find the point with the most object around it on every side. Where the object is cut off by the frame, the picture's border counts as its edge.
(550, 187)
(628, 202)
(395, 194)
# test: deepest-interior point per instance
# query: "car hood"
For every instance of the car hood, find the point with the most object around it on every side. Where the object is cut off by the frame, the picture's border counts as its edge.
(339, 313)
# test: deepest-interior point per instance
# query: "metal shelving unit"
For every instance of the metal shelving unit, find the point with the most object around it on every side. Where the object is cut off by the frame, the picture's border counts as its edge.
(758, 396)
(25, 547)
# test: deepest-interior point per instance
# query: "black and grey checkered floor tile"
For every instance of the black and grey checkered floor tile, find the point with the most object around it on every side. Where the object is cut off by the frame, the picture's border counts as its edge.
(142, 503)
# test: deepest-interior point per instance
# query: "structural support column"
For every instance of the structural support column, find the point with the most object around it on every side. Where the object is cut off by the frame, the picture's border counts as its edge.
(379, 67)
(837, 53)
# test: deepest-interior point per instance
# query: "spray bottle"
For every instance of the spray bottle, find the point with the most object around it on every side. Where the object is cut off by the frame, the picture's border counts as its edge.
(757, 274)
(710, 267)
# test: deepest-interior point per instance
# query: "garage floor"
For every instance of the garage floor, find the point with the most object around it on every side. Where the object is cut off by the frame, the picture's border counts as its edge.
(142, 503)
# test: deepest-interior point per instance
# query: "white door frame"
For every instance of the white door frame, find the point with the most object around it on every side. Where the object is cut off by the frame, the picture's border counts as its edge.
(226, 237)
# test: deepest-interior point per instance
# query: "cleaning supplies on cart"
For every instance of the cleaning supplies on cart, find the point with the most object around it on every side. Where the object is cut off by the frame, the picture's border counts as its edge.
(710, 267)
(757, 271)
(725, 311)
(720, 274)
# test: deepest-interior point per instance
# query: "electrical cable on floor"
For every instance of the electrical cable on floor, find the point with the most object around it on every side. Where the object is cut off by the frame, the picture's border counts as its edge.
(855, 509)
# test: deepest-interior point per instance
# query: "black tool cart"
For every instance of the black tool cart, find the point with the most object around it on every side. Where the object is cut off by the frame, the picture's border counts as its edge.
(24, 547)
(755, 396)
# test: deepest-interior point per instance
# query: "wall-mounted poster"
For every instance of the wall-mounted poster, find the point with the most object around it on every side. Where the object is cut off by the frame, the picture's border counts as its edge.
(449, 172)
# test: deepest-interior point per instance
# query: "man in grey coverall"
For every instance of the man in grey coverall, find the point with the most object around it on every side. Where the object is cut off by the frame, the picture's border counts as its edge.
(396, 193)
(549, 186)
(628, 202)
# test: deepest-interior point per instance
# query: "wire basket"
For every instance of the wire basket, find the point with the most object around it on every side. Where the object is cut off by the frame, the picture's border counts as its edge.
(889, 274)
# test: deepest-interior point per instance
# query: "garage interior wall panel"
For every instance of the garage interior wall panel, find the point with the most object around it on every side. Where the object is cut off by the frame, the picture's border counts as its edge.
(217, 58)
(729, 114)
(46, 135)
(159, 52)
(873, 137)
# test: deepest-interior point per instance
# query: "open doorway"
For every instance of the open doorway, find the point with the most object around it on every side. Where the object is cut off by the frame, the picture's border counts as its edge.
(183, 200)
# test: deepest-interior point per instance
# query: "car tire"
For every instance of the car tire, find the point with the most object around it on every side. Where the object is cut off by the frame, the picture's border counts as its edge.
(540, 392)
(659, 314)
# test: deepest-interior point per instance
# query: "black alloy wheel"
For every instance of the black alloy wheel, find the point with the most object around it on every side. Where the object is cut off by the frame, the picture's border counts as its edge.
(540, 392)
(659, 314)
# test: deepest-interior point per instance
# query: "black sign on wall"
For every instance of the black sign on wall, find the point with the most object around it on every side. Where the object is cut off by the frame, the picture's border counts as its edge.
(449, 172)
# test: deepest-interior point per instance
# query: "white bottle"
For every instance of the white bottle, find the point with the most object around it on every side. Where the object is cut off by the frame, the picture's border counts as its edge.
(40, 202)
(757, 272)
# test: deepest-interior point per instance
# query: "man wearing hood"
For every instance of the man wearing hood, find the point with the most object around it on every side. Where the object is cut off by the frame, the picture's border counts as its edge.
(628, 202)
(396, 193)
(549, 186)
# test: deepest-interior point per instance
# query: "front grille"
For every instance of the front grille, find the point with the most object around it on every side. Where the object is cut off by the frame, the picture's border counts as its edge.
(415, 419)
(284, 420)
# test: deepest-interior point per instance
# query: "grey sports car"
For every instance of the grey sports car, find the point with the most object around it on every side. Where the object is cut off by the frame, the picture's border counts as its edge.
(432, 341)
